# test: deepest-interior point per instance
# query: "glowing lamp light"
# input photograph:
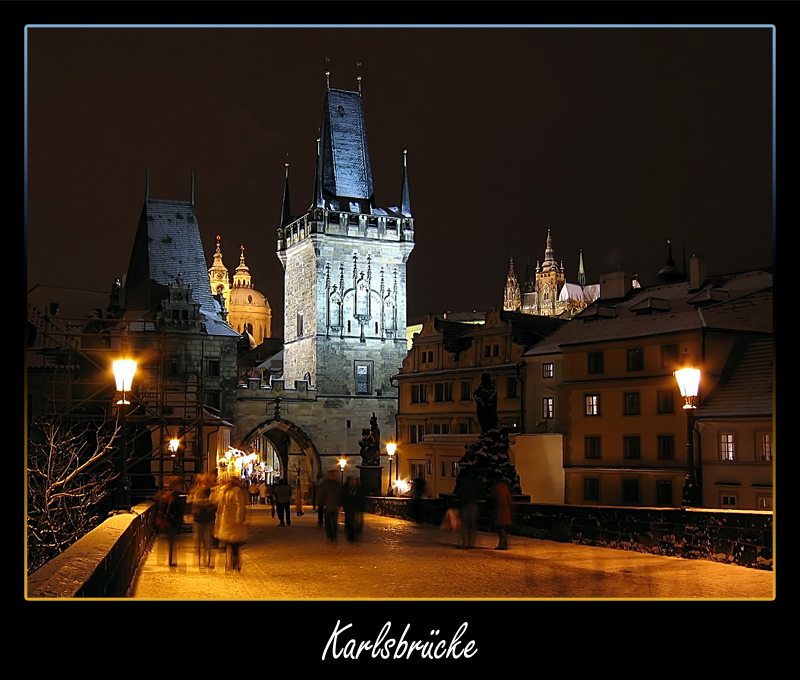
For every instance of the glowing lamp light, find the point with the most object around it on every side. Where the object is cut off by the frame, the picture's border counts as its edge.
(391, 447)
(342, 463)
(124, 370)
(173, 446)
(689, 384)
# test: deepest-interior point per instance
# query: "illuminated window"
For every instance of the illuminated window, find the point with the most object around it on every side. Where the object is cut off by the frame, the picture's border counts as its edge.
(548, 370)
(764, 502)
(764, 446)
(592, 405)
(454, 469)
(727, 446)
(363, 377)
(548, 407)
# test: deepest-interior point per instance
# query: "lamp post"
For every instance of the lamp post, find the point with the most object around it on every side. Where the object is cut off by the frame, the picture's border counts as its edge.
(391, 447)
(124, 370)
(689, 383)
(342, 464)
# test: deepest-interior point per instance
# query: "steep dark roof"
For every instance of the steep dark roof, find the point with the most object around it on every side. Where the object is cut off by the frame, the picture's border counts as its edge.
(529, 329)
(452, 332)
(167, 245)
(346, 170)
(746, 388)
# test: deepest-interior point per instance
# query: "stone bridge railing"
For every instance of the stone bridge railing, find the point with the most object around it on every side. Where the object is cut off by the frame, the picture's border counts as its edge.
(733, 536)
(102, 563)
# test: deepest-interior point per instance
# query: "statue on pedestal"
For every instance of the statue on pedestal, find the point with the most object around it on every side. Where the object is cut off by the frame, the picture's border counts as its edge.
(370, 443)
(486, 400)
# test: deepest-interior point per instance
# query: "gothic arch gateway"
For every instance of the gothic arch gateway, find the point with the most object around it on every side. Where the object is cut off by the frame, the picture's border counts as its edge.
(281, 433)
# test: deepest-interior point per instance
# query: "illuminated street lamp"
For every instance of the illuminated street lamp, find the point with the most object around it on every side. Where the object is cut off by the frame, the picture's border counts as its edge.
(390, 449)
(689, 384)
(124, 370)
(342, 464)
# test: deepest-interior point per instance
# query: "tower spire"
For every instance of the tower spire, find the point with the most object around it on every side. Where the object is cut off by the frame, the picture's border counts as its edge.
(511, 298)
(318, 201)
(286, 215)
(405, 201)
(581, 272)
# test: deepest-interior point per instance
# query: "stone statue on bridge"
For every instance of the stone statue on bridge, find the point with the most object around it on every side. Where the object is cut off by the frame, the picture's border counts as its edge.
(370, 443)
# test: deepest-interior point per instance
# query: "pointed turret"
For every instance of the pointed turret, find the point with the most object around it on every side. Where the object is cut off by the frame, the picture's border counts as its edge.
(242, 275)
(511, 297)
(286, 213)
(581, 272)
(549, 259)
(669, 273)
(405, 204)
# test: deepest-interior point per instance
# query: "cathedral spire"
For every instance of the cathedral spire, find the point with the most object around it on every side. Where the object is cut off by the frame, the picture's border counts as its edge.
(405, 204)
(511, 297)
(286, 215)
(581, 272)
(549, 261)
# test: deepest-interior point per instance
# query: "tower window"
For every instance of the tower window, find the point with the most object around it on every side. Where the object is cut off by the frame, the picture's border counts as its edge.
(299, 324)
(363, 370)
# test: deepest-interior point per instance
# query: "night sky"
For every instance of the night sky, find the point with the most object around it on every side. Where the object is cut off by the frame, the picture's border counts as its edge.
(616, 138)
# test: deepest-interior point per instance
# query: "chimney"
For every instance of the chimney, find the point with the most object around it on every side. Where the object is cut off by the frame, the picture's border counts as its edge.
(697, 272)
(615, 285)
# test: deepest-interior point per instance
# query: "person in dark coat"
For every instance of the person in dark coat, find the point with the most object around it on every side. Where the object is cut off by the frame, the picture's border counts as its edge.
(501, 500)
(169, 517)
(283, 499)
(468, 491)
(354, 504)
(329, 499)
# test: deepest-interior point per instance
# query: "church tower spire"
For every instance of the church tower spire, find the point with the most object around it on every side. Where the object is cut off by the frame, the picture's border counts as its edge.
(242, 275)
(218, 274)
(511, 297)
(581, 272)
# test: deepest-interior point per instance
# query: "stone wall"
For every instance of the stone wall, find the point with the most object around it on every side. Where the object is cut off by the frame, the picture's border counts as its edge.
(731, 536)
(102, 563)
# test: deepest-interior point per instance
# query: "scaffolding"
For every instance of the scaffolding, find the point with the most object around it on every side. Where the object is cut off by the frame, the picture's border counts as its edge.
(69, 370)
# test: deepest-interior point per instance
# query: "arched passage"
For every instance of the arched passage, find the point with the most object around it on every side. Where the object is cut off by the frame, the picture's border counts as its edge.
(298, 455)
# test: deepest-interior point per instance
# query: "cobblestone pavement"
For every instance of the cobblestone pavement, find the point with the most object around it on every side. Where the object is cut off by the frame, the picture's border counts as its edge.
(399, 559)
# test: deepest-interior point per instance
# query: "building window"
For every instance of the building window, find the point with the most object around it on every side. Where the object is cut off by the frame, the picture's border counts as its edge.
(419, 394)
(511, 387)
(764, 446)
(632, 445)
(427, 357)
(631, 401)
(666, 447)
(666, 401)
(727, 446)
(728, 500)
(363, 377)
(440, 428)
(548, 370)
(463, 428)
(466, 390)
(591, 489)
(630, 490)
(595, 362)
(454, 469)
(495, 350)
(299, 324)
(548, 407)
(417, 470)
(430, 466)
(444, 469)
(764, 502)
(669, 356)
(416, 433)
(592, 405)
(663, 492)
(213, 368)
(635, 359)
(443, 391)
(591, 447)
(212, 399)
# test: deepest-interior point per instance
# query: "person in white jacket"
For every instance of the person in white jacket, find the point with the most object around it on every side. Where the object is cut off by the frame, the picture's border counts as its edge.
(231, 526)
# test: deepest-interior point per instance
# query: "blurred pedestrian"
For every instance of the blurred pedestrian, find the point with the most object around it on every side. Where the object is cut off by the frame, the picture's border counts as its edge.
(329, 500)
(204, 513)
(253, 489)
(270, 493)
(468, 490)
(298, 500)
(417, 494)
(283, 499)
(231, 525)
(169, 516)
(262, 492)
(501, 500)
(354, 504)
